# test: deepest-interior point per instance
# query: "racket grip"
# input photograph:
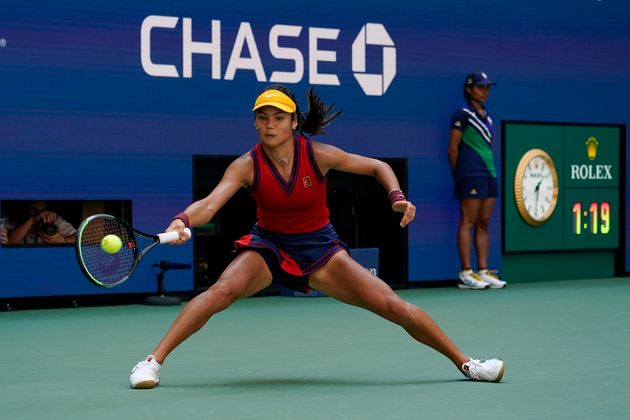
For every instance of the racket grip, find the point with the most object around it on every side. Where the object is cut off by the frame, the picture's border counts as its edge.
(167, 237)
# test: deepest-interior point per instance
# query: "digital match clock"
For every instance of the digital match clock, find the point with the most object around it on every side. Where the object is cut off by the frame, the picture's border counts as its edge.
(593, 218)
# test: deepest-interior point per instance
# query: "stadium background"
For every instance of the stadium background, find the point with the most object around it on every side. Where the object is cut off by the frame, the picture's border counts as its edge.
(81, 119)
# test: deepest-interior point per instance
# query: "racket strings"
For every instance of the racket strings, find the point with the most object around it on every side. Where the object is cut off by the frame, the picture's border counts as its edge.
(104, 268)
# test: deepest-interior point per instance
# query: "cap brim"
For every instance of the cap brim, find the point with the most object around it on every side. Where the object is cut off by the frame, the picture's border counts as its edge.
(486, 83)
(279, 105)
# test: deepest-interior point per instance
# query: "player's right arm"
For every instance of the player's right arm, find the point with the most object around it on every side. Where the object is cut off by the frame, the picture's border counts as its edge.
(239, 174)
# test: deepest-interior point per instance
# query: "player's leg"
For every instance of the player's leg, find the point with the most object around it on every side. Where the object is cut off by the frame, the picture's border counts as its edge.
(246, 275)
(347, 281)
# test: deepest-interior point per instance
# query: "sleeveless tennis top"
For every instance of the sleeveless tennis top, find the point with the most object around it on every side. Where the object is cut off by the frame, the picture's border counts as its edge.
(296, 206)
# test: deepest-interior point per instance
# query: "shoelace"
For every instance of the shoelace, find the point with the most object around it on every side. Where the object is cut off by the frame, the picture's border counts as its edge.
(140, 364)
(472, 366)
(472, 278)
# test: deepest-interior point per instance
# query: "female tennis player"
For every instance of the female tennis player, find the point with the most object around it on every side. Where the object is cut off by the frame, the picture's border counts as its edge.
(293, 240)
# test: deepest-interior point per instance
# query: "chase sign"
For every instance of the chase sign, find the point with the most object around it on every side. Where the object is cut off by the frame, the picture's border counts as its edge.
(372, 84)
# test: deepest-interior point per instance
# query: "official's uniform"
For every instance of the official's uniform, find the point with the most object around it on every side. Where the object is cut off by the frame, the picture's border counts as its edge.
(475, 174)
(293, 232)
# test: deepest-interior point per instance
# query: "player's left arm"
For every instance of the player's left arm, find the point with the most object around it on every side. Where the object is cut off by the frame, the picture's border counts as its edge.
(330, 157)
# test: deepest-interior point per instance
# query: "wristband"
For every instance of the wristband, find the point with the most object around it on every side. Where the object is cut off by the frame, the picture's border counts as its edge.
(396, 196)
(184, 218)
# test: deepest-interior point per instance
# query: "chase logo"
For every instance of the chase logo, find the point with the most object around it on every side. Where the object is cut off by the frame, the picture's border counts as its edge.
(373, 34)
(244, 56)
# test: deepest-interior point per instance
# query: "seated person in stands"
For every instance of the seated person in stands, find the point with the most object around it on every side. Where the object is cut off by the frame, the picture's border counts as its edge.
(41, 226)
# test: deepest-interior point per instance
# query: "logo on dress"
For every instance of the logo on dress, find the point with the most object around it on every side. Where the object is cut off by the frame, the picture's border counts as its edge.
(473, 191)
(307, 181)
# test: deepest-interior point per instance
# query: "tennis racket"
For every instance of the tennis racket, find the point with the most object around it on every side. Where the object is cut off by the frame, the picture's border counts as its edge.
(108, 270)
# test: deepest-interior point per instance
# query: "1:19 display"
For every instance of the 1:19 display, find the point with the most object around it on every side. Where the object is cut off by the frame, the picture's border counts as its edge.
(597, 212)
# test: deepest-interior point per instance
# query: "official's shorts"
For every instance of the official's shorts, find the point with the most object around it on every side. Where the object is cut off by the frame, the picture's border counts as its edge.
(292, 257)
(476, 187)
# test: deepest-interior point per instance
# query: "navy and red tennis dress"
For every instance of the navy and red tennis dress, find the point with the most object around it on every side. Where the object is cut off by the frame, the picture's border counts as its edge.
(293, 232)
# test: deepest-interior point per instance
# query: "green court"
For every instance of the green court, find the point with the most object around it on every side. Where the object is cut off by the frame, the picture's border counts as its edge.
(565, 345)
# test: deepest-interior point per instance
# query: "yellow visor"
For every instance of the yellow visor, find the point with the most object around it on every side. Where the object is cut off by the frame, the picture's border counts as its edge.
(276, 99)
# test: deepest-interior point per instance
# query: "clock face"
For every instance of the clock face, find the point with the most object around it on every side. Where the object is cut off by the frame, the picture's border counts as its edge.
(536, 187)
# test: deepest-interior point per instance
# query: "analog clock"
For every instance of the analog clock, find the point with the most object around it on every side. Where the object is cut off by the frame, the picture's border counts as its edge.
(536, 187)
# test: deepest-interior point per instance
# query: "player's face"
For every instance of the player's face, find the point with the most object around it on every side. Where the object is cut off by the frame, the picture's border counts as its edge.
(479, 93)
(274, 126)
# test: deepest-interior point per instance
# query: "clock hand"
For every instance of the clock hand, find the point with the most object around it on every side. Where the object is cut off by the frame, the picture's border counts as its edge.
(537, 189)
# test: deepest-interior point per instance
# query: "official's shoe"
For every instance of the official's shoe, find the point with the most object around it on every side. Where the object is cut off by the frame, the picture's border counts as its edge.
(470, 280)
(484, 370)
(146, 374)
(491, 277)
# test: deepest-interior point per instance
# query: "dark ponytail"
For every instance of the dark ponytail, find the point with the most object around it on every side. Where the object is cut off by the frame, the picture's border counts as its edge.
(319, 115)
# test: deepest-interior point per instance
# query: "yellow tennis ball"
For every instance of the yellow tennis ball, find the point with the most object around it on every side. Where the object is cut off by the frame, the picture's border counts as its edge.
(111, 244)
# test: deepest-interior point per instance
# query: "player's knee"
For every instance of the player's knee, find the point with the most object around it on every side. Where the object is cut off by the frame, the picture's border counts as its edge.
(398, 310)
(224, 292)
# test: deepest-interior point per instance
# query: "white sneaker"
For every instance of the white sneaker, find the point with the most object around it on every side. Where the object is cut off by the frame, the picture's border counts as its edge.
(484, 370)
(146, 374)
(491, 277)
(470, 280)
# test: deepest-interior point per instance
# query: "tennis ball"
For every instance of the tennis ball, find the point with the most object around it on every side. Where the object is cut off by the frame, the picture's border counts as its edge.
(111, 244)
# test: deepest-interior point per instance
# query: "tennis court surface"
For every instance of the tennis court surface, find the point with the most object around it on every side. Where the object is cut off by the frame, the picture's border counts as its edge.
(565, 345)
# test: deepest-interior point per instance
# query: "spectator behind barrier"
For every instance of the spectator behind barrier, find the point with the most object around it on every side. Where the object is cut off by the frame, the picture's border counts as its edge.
(40, 226)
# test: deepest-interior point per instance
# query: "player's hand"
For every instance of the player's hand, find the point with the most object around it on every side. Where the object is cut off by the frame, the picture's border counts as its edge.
(407, 209)
(178, 226)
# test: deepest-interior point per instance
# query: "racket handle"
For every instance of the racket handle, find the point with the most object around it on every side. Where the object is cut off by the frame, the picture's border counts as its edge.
(167, 237)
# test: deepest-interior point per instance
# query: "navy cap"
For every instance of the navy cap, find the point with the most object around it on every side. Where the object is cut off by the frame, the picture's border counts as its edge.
(480, 79)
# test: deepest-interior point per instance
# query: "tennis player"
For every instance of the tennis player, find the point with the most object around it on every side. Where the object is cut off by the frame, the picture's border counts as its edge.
(293, 240)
